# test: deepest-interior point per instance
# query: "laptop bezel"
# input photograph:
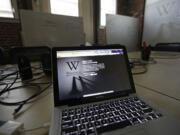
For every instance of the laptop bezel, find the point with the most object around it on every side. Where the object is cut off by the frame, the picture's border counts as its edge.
(58, 102)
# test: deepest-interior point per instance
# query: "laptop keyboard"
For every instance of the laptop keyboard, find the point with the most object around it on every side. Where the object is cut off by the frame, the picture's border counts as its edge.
(104, 117)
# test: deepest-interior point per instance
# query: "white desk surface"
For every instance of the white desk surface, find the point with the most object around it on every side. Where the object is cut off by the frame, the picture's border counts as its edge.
(163, 77)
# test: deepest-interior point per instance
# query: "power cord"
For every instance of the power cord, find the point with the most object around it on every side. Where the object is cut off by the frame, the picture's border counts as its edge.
(27, 81)
(30, 83)
(134, 63)
(142, 62)
(1, 71)
(16, 88)
(6, 89)
(141, 72)
(7, 75)
(23, 102)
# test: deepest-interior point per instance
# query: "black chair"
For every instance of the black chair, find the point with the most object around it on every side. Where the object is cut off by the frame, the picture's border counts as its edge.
(173, 47)
(33, 53)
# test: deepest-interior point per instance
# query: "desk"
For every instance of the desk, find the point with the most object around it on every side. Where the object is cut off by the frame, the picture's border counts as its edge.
(39, 112)
(164, 78)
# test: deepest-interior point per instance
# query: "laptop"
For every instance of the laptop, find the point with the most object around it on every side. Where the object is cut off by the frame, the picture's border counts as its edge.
(94, 94)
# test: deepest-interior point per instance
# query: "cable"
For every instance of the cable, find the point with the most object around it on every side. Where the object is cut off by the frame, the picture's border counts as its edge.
(7, 69)
(7, 75)
(1, 71)
(15, 88)
(138, 63)
(13, 81)
(21, 103)
(29, 83)
(150, 89)
(141, 72)
(28, 99)
(6, 89)
(40, 97)
(34, 74)
(14, 69)
(6, 86)
(41, 83)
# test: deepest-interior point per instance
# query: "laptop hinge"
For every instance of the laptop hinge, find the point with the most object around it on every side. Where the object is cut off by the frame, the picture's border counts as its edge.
(99, 98)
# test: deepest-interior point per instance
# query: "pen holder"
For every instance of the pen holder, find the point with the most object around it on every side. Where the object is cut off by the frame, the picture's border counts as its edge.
(145, 54)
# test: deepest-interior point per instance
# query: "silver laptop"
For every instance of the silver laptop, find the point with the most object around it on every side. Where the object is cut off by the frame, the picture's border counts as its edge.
(94, 93)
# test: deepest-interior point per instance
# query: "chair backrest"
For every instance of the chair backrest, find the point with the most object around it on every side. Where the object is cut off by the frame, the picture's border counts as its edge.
(174, 47)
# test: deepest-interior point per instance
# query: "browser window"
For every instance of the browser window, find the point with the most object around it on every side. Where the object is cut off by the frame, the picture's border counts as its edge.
(90, 73)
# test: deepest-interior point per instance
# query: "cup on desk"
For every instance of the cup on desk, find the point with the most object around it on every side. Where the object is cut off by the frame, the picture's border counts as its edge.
(145, 53)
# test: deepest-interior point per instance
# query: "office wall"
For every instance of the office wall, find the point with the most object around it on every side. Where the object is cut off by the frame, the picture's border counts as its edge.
(9, 35)
(162, 21)
(10, 29)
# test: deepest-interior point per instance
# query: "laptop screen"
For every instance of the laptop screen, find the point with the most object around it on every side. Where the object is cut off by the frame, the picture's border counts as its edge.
(89, 73)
